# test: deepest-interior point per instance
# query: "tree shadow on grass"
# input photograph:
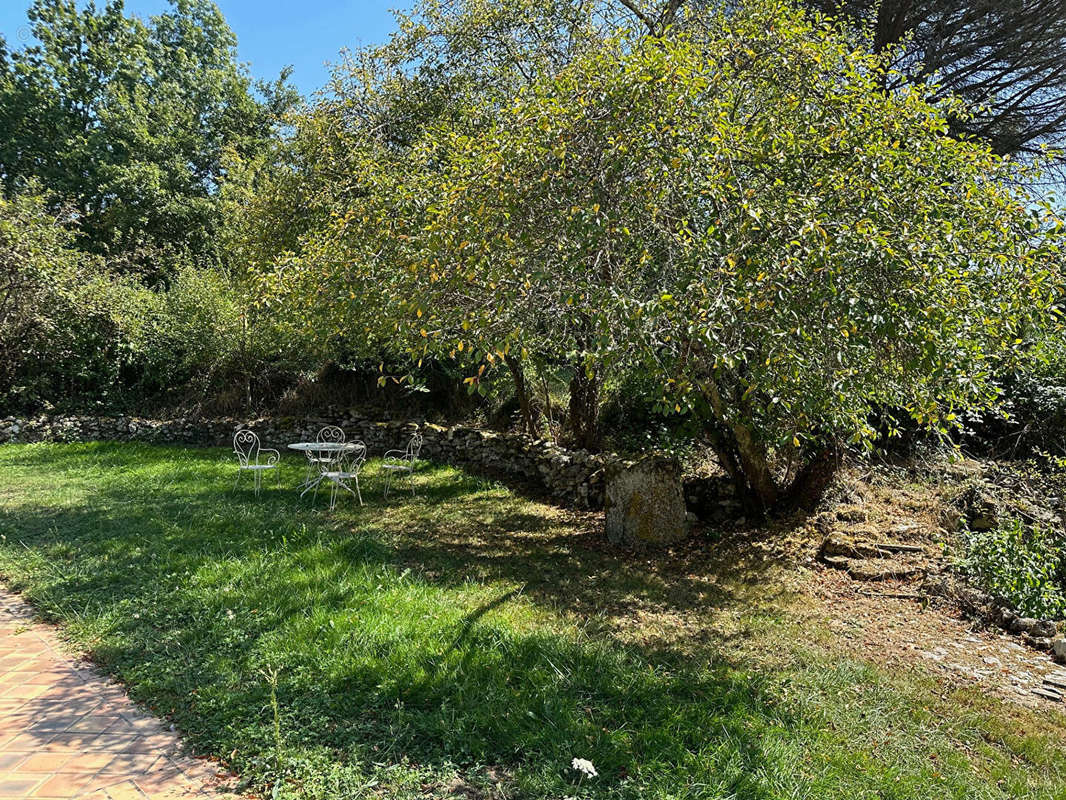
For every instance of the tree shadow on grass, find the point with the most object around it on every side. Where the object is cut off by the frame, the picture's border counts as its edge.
(562, 560)
(387, 643)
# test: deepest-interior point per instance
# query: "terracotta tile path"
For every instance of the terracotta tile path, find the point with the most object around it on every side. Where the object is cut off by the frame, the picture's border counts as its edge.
(67, 732)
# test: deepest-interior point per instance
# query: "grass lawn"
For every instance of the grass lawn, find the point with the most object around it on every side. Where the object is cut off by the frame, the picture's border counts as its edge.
(470, 643)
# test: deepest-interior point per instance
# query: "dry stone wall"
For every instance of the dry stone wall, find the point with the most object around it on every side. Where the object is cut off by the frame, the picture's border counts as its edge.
(573, 478)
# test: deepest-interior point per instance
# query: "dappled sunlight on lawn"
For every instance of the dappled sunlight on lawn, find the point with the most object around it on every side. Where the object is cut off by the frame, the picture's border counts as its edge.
(461, 632)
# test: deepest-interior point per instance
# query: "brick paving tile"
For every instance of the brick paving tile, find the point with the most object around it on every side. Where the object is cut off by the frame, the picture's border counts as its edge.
(66, 732)
(44, 762)
(18, 787)
(125, 790)
(94, 723)
(64, 785)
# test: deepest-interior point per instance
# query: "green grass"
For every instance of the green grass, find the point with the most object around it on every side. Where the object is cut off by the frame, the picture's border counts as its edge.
(468, 642)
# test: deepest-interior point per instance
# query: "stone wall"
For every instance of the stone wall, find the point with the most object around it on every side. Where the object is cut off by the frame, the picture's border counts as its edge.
(572, 478)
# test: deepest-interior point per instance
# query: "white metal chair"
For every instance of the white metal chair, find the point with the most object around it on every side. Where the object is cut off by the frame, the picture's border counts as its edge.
(319, 460)
(345, 470)
(398, 462)
(248, 451)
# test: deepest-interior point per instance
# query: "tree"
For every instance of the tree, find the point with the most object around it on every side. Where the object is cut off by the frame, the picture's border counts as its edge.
(779, 240)
(345, 187)
(1007, 58)
(742, 212)
(129, 122)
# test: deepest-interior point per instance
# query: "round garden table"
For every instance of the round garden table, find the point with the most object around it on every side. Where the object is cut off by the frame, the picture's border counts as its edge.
(320, 453)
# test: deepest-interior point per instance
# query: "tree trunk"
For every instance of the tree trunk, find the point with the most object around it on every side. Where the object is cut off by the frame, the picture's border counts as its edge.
(518, 374)
(755, 462)
(893, 21)
(583, 419)
(811, 481)
(726, 451)
(742, 456)
(753, 481)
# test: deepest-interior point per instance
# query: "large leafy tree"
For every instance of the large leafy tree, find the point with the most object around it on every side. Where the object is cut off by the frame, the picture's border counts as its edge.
(131, 122)
(742, 212)
(364, 163)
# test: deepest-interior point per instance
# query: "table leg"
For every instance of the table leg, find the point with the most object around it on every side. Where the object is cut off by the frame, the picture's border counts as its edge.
(311, 485)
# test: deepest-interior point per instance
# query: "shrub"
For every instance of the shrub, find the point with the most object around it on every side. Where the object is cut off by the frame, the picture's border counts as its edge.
(74, 334)
(60, 311)
(1024, 566)
(202, 341)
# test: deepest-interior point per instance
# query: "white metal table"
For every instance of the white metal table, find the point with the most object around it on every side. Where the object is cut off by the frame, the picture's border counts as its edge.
(321, 449)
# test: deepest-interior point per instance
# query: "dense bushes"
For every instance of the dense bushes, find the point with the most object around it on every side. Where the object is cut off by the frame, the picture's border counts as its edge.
(1031, 417)
(1036, 397)
(1024, 566)
(74, 334)
(204, 342)
(58, 329)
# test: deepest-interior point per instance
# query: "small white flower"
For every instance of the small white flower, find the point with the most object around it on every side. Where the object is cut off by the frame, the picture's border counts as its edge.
(229, 613)
(584, 766)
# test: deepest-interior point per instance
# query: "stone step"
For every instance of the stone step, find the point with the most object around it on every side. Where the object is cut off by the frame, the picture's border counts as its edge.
(1048, 694)
(1056, 682)
(838, 544)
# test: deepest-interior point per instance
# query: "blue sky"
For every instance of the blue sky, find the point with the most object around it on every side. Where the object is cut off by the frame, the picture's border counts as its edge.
(270, 33)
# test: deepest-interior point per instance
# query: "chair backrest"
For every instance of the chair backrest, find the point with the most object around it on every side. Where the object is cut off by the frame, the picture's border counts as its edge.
(351, 458)
(414, 447)
(246, 446)
(331, 433)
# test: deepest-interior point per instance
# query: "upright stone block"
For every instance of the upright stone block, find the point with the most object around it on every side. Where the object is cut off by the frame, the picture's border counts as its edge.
(644, 503)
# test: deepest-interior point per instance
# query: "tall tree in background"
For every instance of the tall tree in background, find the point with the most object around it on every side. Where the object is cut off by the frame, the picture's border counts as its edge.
(1006, 58)
(130, 122)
